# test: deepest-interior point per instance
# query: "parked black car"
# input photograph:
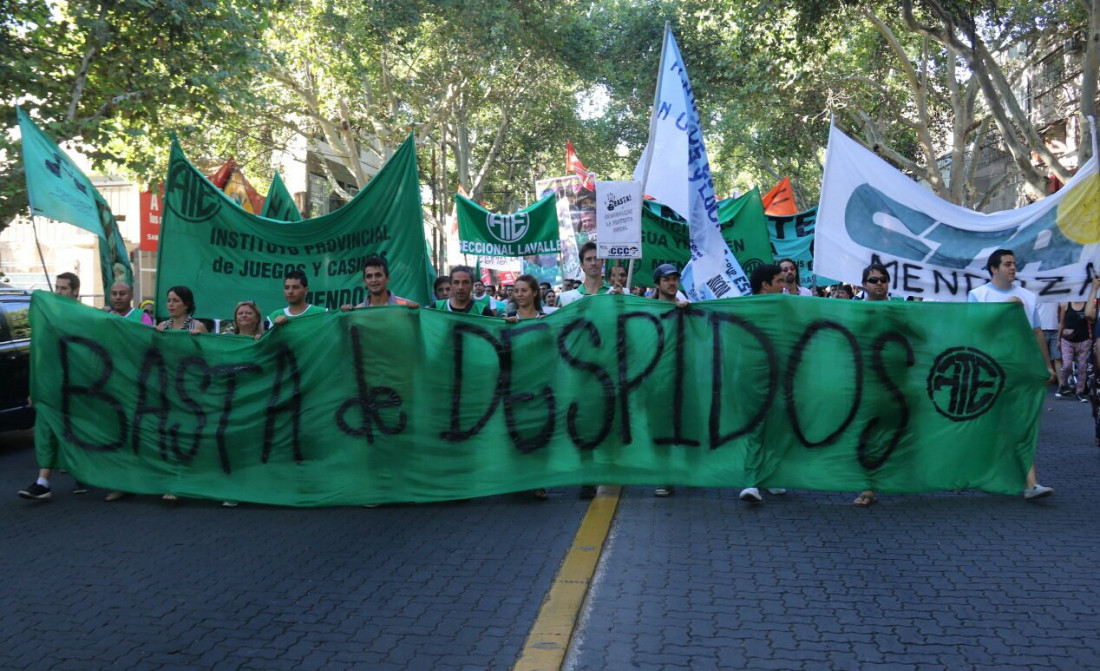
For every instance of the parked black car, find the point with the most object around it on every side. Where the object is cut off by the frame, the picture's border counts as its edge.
(15, 360)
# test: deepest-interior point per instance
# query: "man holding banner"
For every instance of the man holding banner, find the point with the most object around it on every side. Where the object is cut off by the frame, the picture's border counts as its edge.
(376, 278)
(593, 284)
(294, 290)
(1002, 288)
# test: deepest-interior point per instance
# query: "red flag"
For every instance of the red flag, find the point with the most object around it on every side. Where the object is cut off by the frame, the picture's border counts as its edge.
(573, 164)
(232, 181)
(780, 200)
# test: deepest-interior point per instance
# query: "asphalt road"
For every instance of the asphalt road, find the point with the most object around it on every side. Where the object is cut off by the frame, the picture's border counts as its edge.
(696, 581)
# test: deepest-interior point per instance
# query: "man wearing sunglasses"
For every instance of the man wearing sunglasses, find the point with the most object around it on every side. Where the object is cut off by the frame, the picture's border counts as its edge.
(876, 282)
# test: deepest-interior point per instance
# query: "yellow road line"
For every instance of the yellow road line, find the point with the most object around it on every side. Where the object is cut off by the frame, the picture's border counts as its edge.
(548, 640)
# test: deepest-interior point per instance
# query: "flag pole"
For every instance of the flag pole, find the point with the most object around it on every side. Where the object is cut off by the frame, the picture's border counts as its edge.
(41, 257)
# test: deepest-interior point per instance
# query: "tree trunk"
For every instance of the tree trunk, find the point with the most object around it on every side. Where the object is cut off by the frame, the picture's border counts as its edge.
(1090, 70)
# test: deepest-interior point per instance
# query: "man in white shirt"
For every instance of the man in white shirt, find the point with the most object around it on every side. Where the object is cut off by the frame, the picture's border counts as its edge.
(1002, 288)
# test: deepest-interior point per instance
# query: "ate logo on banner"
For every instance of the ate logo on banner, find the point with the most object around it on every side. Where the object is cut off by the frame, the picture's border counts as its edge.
(507, 227)
(964, 382)
(196, 202)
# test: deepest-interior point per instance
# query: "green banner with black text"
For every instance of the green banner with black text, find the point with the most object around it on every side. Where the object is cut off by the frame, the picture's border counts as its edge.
(226, 255)
(391, 404)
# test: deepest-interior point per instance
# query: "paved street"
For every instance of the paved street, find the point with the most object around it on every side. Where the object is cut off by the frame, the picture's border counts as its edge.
(700, 580)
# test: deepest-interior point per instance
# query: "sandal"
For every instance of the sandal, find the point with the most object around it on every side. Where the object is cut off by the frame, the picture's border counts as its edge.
(865, 499)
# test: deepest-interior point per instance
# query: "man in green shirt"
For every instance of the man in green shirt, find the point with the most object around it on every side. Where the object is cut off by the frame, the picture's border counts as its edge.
(593, 284)
(295, 286)
(461, 300)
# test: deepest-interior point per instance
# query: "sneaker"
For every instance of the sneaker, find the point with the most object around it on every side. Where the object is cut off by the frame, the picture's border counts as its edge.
(1063, 392)
(588, 492)
(1037, 492)
(79, 487)
(1082, 398)
(751, 494)
(35, 491)
(777, 491)
(664, 491)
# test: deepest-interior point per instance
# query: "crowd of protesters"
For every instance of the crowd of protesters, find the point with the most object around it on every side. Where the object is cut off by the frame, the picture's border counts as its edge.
(1065, 336)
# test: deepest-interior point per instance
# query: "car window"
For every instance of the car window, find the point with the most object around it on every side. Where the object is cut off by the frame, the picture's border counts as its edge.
(18, 317)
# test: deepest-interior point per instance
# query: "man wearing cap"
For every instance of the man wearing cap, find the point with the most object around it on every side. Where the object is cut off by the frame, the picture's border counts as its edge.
(666, 280)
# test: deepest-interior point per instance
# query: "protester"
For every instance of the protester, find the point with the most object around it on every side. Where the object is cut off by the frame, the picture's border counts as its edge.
(376, 278)
(181, 310)
(1090, 314)
(550, 301)
(764, 280)
(247, 320)
(462, 283)
(617, 277)
(791, 278)
(1048, 322)
(843, 291)
(527, 304)
(67, 285)
(593, 284)
(441, 289)
(767, 279)
(122, 300)
(1001, 288)
(876, 281)
(295, 286)
(1074, 328)
(666, 278)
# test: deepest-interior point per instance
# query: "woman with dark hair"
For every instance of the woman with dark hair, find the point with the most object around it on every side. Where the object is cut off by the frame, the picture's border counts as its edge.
(181, 307)
(526, 301)
(843, 291)
(527, 305)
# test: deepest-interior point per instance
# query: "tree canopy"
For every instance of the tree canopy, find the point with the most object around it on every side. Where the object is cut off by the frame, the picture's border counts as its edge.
(493, 89)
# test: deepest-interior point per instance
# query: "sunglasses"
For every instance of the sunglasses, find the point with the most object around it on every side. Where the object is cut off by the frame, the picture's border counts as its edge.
(877, 280)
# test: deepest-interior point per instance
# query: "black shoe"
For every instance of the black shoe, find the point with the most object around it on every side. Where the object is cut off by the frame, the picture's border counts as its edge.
(79, 487)
(1082, 398)
(588, 492)
(35, 491)
(1063, 391)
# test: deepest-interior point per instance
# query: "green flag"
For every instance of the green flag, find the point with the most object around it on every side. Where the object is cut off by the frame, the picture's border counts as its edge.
(391, 404)
(59, 190)
(226, 255)
(665, 237)
(532, 230)
(279, 204)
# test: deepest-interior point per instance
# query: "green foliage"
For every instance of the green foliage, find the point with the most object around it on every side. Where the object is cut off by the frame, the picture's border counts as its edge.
(115, 76)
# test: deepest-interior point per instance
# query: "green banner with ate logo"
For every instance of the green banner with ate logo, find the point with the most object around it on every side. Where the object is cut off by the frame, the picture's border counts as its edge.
(392, 404)
(530, 231)
(226, 255)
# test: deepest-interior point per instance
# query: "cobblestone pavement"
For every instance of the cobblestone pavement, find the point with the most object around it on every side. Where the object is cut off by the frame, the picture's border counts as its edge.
(807, 581)
(139, 584)
(699, 580)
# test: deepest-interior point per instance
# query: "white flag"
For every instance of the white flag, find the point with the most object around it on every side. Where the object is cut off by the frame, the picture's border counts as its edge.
(872, 212)
(674, 169)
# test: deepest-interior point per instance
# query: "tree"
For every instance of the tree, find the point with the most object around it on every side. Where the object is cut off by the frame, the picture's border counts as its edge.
(114, 76)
